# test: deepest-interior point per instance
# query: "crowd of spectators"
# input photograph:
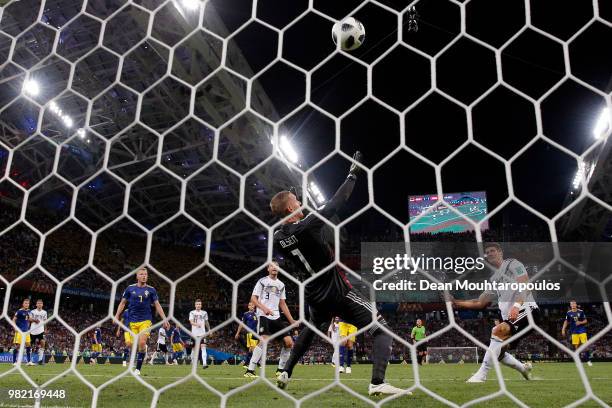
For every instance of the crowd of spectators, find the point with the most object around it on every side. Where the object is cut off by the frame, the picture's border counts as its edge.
(122, 248)
(82, 315)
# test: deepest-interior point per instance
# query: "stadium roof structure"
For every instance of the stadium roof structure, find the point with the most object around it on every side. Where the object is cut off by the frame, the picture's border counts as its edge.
(187, 141)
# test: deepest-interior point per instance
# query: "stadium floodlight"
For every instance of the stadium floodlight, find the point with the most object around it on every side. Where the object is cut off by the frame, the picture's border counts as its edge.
(579, 175)
(317, 193)
(66, 119)
(287, 149)
(603, 124)
(31, 87)
(190, 5)
(81, 133)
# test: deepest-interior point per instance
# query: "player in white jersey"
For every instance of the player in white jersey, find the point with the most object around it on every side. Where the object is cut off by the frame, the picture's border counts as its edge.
(514, 306)
(161, 348)
(333, 332)
(38, 317)
(269, 297)
(199, 327)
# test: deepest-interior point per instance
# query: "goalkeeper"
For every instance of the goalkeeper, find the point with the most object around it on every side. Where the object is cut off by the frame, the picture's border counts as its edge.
(301, 239)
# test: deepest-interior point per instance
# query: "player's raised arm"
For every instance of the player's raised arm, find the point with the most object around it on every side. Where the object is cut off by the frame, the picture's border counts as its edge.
(345, 190)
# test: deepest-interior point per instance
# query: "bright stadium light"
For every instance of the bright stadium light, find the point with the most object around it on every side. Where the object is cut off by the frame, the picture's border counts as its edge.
(67, 121)
(81, 133)
(190, 5)
(287, 149)
(31, 87)
(579, 175)
(317, 193)
(603, 124)
(65, 118)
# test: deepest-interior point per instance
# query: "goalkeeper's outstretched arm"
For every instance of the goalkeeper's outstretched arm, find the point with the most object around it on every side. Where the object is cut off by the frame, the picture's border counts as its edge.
(345, 190)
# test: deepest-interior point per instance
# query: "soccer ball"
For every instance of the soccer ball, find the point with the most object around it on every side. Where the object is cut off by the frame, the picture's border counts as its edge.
(350, 32)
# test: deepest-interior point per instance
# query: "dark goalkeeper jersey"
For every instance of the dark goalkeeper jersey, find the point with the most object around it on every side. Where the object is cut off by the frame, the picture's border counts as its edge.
(304, 244)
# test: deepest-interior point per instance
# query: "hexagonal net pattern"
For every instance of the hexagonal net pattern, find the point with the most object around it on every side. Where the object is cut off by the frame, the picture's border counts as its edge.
(152, 100)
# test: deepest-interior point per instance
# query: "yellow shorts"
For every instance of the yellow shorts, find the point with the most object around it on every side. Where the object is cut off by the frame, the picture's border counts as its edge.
(97, 347)
(346, 329)
(127, 337)
(579, 339)
(251, 341)
(139, 328)
(17, 338)
(177, 347)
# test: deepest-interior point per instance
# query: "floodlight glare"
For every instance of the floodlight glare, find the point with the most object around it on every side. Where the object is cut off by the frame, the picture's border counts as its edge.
(31, 87)
(190, 5)
(316, 192)
(287, 149)
(603, 124)
(579, 175)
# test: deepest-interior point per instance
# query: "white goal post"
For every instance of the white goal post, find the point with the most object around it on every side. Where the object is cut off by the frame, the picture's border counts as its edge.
(457, 355)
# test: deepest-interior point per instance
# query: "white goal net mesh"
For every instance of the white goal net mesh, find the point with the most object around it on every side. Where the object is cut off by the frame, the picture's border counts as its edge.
(133, 115)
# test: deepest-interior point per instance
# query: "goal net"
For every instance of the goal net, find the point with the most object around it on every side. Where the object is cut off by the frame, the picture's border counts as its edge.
(153, 133)
(455, 355)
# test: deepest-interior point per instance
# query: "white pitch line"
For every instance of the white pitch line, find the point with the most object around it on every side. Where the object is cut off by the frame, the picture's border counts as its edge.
(329, 379)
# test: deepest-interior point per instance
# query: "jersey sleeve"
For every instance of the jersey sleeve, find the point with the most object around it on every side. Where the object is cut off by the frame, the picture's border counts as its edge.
(283, 294)
(518, 268)
(258, 289)
(582, 315)
(126, 293)
(413, 331)
(205, 316)
(334, 204)
(154, 297)
(568, 317)
(191, 316)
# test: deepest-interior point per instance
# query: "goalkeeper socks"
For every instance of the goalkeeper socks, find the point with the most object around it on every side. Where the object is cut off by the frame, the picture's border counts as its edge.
(342, 355)
(41, 356)
(15, 353)
(381, 351)
(349, 357)
(511, 361)
(284, 356)
(302, 343)
(257, 353)
(126, 354)
(139, 359)
(29, 353)
(249, 357)
(204, 356)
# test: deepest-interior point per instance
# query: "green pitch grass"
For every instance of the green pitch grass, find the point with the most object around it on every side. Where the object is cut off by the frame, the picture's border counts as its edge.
(554, 385)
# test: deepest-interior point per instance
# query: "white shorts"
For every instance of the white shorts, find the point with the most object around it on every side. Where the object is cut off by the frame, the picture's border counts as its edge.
(198, 331)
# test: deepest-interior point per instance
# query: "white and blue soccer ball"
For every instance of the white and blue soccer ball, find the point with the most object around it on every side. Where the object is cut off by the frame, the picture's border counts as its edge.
(350, 33)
